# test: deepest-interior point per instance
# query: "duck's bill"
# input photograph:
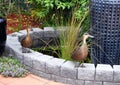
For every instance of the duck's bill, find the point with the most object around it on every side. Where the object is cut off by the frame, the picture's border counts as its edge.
(91, 36)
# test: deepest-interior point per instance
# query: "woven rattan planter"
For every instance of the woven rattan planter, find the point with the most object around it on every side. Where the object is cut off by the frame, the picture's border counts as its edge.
(105, 26)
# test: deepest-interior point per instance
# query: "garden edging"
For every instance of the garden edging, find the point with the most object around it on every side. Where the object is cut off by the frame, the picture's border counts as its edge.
(58, 69)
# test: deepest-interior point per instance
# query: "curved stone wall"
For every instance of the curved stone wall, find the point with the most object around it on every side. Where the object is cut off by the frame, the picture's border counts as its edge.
(58, 69)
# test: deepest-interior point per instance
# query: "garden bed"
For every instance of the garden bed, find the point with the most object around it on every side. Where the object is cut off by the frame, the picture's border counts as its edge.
(58, 69)
(16, 22)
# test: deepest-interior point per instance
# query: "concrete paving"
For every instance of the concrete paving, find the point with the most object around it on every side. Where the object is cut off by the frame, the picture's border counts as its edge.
(28, 80)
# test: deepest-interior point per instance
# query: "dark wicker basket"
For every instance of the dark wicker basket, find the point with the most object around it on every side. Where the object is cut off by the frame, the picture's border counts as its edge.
(2, 35)
(105, 26)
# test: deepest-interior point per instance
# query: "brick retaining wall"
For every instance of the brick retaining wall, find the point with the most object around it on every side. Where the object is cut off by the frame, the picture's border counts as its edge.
(58, 69)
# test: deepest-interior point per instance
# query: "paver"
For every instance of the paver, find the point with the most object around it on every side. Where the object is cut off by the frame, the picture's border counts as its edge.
(68, 70)
(87, 72)
(116, 73)
(104, 72)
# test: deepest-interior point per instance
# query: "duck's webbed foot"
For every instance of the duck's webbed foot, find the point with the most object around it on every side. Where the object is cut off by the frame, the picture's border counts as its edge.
(79, 65)
(82, 65)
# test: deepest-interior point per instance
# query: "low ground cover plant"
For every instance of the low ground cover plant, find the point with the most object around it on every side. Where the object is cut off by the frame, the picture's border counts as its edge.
(11, 67)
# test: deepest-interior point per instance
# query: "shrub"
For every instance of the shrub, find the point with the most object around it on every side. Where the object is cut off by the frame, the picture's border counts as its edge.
(58, 11)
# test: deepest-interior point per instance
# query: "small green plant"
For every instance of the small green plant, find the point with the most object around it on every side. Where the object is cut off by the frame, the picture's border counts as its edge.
(11, 67)
(49, 50)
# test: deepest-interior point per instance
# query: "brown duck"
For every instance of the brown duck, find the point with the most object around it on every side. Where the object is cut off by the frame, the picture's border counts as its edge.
(80, 53)
(27, 41)
(41, 26)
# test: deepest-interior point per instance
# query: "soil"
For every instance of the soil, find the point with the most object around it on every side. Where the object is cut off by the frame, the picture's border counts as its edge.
(16, 22)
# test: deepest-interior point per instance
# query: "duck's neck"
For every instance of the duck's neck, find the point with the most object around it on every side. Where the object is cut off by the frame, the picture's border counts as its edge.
(28, 32)
(84, 40)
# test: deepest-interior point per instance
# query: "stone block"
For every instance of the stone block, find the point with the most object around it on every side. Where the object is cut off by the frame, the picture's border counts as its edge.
(59, 79)
(48, 29)
(68, 70)
(12, 40)
(116, 69)
(104, 72)
(16, 34)
(41, 74)
(59, 31)
(71, 81)
(28, 59)
(7, 50)
(110, 83)
(79, 82)
(38, 54)
(38, 35)
(19, 55)
(92, 83)
(39, 62)
(37, 30)
(49, 32)
(87, 72)
(53, 66)
(28, 68)
(14, 44)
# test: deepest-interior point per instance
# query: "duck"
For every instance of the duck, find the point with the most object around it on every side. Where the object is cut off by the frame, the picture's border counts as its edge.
(80, 53)
(27, 41)
(41, 25)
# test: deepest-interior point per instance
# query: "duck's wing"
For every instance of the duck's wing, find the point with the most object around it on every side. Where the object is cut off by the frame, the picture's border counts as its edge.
(80, 53)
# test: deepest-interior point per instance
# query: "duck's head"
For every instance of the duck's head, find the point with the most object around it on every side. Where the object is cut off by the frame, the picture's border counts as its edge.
(29, 28)
(86, 35)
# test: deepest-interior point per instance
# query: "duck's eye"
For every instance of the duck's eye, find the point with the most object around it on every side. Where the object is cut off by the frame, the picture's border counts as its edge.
(86, 34)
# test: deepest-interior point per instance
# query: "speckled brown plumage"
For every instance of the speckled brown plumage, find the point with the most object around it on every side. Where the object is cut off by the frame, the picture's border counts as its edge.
(27, 41)
(80, 53)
